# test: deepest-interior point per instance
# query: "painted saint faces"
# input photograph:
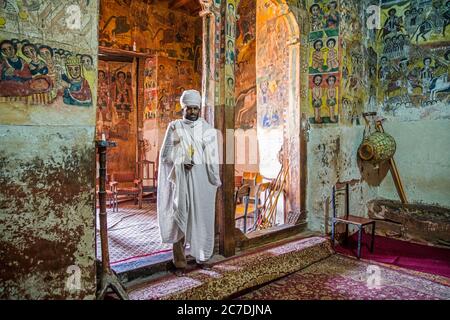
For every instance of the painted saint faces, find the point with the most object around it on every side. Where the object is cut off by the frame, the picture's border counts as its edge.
(29, 51)
(8, 50)
(318, 45)
(121, 77)
(317, 80)
(74, 71)
(86, 61)
(45, 54)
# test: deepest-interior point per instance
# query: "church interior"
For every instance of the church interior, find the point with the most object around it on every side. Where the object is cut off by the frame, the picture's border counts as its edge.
(333, 119)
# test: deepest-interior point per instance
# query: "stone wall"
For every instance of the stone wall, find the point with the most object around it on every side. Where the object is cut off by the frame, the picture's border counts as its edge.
(48, 97)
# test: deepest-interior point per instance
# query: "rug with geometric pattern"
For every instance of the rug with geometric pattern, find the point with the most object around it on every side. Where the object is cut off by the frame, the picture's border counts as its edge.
(133, 233)
(344, 278)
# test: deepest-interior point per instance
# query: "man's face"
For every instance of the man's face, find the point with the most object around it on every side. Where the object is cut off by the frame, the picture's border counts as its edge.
(86, 61)
(8, 50)
(46, 54)
(318, 45)
(29, 52)
(317, 81)
(191, 113)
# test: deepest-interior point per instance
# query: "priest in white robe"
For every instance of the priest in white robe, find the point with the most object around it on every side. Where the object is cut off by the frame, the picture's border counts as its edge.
(187, 183)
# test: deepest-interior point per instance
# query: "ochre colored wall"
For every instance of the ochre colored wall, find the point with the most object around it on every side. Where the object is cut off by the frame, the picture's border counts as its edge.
(151, 28)
(166, 80)
(246, 66)
(173, 41)
(272, 61)
(117, 113)
(47, 97)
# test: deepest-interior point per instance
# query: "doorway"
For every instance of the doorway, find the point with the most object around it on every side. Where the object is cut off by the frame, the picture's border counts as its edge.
(267, 119)
(147, 56)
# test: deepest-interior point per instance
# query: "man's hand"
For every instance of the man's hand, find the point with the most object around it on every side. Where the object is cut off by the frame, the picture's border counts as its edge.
(188, 166)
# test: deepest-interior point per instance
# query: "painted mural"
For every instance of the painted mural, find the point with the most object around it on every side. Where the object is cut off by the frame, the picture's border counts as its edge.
(230, 53)
(165, 80)
(272, 63)
(150, 89)
(116, 113)
(246, 66)
(353, 64)
(35, 73)
(48, 76)
(150, 27)
(413, 59)
(64, 22)
(324, 61)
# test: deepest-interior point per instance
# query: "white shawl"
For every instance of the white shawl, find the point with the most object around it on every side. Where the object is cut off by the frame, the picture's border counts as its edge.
(186, 198)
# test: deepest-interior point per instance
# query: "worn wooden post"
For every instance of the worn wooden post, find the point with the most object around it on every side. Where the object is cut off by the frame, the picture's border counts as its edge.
(218, 110)
(108, 277)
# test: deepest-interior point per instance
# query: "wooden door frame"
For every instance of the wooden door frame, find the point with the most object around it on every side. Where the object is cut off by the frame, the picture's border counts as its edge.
(229, 238)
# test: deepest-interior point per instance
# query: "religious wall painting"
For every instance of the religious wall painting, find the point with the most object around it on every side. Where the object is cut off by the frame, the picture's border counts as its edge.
(104, 113)
(246, 111)
(412, 67)
(353, 83)
(231, 19)
(410, 76)
(122, 93)
(324, 15)
(167, 79)
(245, 66)
(150, 88)
(116, 113)
(351, 23)
(151, 27)
(272, 61)
(324, 55)
(64, 21)
(35, 73)
(422, 21)
(324, 98)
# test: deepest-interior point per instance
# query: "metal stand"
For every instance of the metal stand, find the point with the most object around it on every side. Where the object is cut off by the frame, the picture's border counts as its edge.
(108, 278)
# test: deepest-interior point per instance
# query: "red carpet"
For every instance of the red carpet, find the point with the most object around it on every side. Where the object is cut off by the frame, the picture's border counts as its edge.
(401, 253)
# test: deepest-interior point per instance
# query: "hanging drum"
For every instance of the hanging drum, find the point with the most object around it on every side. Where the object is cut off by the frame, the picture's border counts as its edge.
(377, 147)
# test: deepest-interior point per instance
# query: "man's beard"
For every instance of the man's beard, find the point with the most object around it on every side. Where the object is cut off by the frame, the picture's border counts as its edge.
(191, 117)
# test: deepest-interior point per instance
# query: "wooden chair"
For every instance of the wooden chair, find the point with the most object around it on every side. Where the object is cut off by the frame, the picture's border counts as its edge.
(237, 182)
(261, 194)
(252, 178)
(111, 198)
(241, 199)
(148, 176)
(125, 183)
(359, 222)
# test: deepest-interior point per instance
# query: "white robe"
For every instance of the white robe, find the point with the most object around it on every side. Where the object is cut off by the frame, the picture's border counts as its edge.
(186, 198)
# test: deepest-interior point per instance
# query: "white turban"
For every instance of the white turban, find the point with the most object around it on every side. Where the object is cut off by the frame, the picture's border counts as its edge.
(190, 98)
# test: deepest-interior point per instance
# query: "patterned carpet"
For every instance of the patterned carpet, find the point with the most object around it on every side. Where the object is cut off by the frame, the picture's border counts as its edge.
(342, 278)
(133, 233)
(231, 276)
